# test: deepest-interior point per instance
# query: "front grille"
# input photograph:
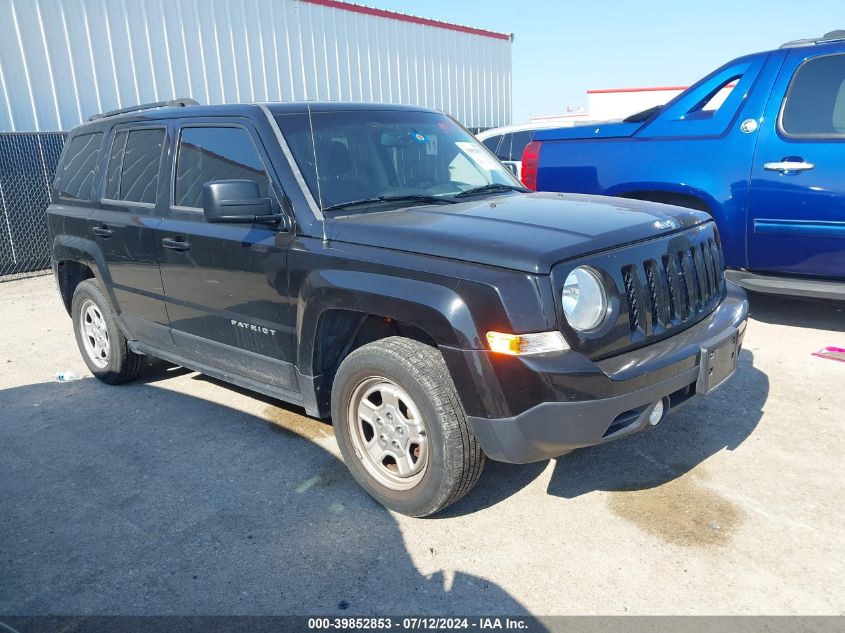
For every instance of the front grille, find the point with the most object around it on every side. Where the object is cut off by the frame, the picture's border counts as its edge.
(658, 287)
(631, 293)
(670, 274)
(677, 287)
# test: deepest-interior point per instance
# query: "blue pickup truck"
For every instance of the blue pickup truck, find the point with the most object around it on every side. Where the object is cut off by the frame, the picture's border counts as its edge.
(759, 144)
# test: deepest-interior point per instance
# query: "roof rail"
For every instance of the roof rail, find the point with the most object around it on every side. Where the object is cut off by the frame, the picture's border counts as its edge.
(173, 103)
(833, 36)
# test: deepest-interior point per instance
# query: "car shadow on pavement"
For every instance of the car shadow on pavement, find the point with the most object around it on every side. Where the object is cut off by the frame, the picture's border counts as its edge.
(498, 481)
(685, 439)
(817, 314)
(143, 500)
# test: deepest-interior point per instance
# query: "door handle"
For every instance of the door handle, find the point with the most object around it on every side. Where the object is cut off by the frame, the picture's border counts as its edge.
(788, 164)
(176, 243)
(102, 231)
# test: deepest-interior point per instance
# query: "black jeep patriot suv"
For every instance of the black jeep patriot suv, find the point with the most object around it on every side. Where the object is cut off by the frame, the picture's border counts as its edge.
(376, 264)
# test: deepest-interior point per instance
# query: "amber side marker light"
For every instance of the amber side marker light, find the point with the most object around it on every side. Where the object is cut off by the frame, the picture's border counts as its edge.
(522, 344)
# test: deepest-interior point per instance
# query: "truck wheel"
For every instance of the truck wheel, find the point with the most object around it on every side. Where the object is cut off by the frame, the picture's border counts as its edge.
(401, 428)
(100, 340)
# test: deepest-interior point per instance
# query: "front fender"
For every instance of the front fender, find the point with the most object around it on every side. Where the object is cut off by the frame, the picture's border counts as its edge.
(436, 309)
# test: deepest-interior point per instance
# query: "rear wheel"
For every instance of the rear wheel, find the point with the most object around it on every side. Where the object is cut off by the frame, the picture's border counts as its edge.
(401, 428)
(102, 344)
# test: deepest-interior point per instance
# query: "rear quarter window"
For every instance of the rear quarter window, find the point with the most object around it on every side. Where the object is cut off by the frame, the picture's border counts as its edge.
(77, 170)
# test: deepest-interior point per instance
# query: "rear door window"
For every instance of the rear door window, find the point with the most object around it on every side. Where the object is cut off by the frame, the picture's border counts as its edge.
(215, 153)
(133, 167)
(75, 177)
(115, 164)
(815, 102)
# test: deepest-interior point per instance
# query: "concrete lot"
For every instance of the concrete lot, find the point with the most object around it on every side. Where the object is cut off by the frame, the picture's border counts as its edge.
(180, 495)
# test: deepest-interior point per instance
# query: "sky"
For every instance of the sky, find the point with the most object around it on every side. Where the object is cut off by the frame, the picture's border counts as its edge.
(562, 49)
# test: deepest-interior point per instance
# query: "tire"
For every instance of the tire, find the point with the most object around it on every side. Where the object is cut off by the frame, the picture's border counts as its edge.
(103, 346)
(409, 381)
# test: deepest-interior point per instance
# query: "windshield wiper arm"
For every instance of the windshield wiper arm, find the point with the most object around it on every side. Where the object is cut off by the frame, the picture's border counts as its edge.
(490, 189)
(380, 199)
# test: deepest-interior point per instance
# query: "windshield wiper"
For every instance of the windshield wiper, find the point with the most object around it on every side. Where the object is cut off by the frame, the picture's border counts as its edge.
(491, 188)
(381, 199)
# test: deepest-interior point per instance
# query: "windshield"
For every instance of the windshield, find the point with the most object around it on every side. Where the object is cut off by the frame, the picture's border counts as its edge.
(389, 155)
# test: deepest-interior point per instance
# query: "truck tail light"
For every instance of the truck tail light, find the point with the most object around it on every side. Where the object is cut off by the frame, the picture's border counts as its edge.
(530, 159)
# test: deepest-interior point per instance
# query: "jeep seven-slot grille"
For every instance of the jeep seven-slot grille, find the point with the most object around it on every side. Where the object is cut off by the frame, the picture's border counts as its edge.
(673, 288)
(631, 292)
(658, 287)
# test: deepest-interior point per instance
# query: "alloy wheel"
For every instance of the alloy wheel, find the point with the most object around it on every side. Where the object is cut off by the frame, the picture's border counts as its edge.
(95, 334)
(388, 433)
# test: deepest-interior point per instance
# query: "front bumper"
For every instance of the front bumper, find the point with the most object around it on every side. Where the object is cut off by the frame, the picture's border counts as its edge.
(586, 403)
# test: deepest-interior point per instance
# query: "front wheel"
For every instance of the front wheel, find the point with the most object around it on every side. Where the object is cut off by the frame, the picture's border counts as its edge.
(401, 428)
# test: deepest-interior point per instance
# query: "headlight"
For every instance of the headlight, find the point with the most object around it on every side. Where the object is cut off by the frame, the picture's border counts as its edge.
(584, 299)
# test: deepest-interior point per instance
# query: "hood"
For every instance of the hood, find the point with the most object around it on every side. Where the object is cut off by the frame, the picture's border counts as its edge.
(526, 232)
(617, 129)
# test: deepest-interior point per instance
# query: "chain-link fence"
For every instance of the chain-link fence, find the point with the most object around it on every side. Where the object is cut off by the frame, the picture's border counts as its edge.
(27, 166)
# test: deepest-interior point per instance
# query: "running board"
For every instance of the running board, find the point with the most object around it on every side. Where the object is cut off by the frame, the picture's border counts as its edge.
(792, 286)
(278, 393)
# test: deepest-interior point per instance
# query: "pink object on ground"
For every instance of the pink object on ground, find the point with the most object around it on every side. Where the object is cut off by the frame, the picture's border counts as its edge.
(833, 353)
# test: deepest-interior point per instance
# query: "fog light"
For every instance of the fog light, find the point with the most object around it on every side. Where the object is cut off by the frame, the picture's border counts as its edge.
(656, 413)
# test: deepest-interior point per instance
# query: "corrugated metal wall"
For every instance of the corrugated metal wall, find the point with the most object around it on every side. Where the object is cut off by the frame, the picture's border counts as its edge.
(64, 60)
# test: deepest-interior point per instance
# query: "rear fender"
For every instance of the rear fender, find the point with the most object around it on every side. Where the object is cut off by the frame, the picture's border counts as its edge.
(80, 249)
(642, 189)
(729, 215)
(85, 251)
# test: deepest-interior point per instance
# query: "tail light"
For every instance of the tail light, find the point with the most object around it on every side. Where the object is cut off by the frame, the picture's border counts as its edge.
(530, 159)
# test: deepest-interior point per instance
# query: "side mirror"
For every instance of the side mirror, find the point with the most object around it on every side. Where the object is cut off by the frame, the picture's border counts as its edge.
(512, 165)
(236, 202)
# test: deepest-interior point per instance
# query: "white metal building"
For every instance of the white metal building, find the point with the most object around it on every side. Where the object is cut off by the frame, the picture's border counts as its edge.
(617, 103)
(609, 104)
(64, 60)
